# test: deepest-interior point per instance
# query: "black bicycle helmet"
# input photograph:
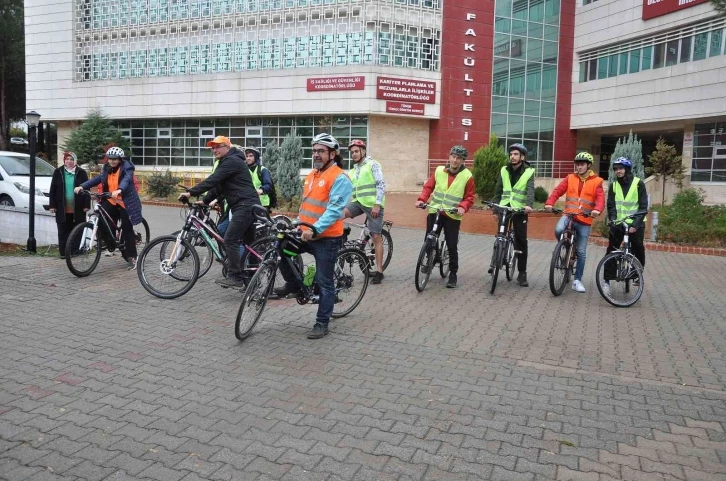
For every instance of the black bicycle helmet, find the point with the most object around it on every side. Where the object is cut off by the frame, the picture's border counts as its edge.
(521, 148)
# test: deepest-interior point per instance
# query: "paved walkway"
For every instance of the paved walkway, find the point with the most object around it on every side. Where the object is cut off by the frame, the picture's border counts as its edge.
(99, 380)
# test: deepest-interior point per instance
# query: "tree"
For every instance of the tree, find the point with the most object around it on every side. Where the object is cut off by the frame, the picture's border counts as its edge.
(12, 67)
(488, 162)
(666, 162)
(720, 6)
(17, 132)
(289, 185)
(88, 139)
(271, 158)
(630, 148)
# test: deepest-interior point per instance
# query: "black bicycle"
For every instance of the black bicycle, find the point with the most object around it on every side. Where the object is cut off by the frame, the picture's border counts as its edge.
(351, 276)
(433, 251)
(564, 257)
(624, 283)
(364, 242)
(504, 255)
(85, 241)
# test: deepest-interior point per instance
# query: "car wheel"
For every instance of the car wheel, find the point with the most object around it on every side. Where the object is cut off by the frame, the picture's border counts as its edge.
(6, 201)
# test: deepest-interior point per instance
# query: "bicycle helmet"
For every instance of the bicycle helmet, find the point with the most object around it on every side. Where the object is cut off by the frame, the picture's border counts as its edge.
(584, 157)
(357, 143)
(459, 151)
(115, 153)
(252, 149)
(624, 162)
(521, 148)
(326, 140)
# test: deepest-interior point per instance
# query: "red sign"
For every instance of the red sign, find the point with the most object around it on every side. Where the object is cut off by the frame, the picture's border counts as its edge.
(404, 108)
(657, 8)
(322, 84)
(401, 89)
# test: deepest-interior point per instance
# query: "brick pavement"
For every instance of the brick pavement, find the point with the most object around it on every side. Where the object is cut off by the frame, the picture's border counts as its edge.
(440, 385)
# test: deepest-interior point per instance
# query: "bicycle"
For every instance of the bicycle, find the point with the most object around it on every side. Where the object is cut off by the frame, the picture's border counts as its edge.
(351, 270)
(627, 270)
(365, 238)
(432, 251)
(564, 257)
(173, 260)
(504, 254)
(85, 242)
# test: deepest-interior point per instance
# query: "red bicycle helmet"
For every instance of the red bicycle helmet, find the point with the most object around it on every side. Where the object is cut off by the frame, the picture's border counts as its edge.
(357, 143)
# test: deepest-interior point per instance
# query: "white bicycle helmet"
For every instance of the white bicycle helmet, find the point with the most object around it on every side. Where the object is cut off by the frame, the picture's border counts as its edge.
(326, 140)
(115, 153)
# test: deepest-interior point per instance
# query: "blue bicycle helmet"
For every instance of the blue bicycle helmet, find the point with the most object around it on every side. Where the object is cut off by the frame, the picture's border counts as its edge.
(624, 162)
(521, 148)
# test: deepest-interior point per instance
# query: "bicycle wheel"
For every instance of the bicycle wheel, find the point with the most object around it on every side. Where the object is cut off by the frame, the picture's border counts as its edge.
(165, 276)
(387, 249)
(627, 287)
(255, 253)
(204, 250)
(559, 267)
(351, 281)
(509, 260)
(425, 261)
(82, 252)
(444, 267)
(497, 254)
(142, 234)
(255, 299)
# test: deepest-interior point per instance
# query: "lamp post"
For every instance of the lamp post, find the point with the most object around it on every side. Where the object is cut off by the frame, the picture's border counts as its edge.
(32, 118)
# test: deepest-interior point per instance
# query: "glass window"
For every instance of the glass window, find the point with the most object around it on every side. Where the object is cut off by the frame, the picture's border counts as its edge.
(583, 72)
(502, 25)
(516, 78)
(700, 44)
(536, 10)
(549, 82)
(515, 126)
(612, 65)
(500, 84)
(535, 30)
(685, 49)
(531, 127)
(548, 109)
(592, 69)
(534, 80)
(547, 129)
(623, 66)
(551, 33)
(534, 50)
(716, 43)
(634, 61)
(519, 27)
(499, 104)
(671, 53)
(602, 68)
(531, 107)
(647, 58)
(516, 106)
(552, 12)
(549, 52)
(659, 55)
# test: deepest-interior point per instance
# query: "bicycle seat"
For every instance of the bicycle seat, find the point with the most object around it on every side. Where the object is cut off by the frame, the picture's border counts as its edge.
(346, 230)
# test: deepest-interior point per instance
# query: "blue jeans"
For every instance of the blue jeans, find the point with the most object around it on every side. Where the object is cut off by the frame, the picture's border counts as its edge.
(582, 233)
(325, 251)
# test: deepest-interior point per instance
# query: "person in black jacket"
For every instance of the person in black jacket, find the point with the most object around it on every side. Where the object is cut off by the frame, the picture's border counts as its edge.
(69, 208)
(233, 181)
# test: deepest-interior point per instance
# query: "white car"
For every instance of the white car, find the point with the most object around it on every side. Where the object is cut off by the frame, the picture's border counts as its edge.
(18, 141)
(15, 181)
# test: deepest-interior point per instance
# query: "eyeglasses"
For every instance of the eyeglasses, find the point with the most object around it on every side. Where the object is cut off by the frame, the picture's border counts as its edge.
(319, 151)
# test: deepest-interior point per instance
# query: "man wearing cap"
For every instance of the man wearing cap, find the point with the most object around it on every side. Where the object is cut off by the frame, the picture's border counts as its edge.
(369, 198)
(261, 177)
(232, 180)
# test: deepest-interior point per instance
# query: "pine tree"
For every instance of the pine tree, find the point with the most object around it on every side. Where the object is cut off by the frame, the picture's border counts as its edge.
(88, 139)
(289, 184)
(488, 162)
(630, 148)
(666, 162)
(271, 159)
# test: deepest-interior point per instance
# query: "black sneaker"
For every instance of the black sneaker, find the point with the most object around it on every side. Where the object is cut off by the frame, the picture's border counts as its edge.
(318, 331)
(490, 271)
(285, 290)
(230, 282)
(452, 280)
(522, 279)
(377, 278)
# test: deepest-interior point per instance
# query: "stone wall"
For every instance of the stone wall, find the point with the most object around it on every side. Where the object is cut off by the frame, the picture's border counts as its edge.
(401, 145)
(14, 227)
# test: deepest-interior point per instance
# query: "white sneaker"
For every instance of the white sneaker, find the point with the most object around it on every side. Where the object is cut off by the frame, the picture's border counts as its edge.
(577, 286)
(109, 254)
(606, 288)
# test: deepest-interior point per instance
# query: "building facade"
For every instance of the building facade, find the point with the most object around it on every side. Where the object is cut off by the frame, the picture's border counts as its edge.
(411, 77)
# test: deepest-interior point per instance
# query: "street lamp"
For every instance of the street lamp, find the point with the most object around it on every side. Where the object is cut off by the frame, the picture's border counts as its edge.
(33, 119)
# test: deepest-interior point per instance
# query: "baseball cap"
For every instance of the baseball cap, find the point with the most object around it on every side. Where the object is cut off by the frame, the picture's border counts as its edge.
(219, 140)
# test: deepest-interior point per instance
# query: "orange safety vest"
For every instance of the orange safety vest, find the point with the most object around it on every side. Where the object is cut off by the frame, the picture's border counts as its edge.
(584, 201)
(316, 194)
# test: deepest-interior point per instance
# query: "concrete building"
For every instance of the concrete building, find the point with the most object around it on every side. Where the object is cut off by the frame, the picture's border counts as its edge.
(411, 77)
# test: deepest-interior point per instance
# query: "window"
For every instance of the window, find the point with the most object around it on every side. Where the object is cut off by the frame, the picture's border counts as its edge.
(709, 152)
(685, 50)
(671, 53)
(659, 55)
(647, 58)
(634, 61)
(612, 66)
(602, 67)
(716, 43)
(623, 68)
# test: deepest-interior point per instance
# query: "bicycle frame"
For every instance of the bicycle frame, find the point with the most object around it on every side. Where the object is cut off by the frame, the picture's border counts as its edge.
(100, 215)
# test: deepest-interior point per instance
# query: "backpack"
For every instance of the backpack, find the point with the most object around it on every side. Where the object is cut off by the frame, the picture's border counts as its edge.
(273, 192)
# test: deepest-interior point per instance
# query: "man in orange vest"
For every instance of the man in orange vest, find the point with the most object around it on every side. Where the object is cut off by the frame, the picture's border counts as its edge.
(326, 192)
(583, 194)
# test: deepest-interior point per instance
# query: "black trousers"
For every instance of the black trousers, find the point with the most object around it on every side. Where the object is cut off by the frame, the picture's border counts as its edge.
(116, 211)
(637, 247)
(451, 236)
(241, 228)
(64, 229)
(519, 224)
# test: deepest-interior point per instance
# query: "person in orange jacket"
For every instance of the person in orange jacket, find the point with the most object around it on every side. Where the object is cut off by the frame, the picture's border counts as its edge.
(583, 194)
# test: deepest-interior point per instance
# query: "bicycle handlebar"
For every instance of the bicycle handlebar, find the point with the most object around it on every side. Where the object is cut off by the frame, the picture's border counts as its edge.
(102, 195)
(631, 216)
(503, 207)
(561, 211)
(263, 216)
(448, 211)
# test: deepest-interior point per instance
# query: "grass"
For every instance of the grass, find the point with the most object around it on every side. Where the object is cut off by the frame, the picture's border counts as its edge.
(16, 250)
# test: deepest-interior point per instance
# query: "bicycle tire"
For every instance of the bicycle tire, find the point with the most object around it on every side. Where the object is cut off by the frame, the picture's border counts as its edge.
(74, 258)
(345, 281)
(151, 266)
(204, 250)
(141, 237)
(496, 262)
(636, 270)
(387, 248)
(508, 267)
(444, 267)
(257, 291)
(560, 267)
(425, 258)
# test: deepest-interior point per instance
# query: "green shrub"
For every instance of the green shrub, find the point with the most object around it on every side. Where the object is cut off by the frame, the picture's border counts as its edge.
(488, 162)
(161, 184)
(540, 194)
(688, 221)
